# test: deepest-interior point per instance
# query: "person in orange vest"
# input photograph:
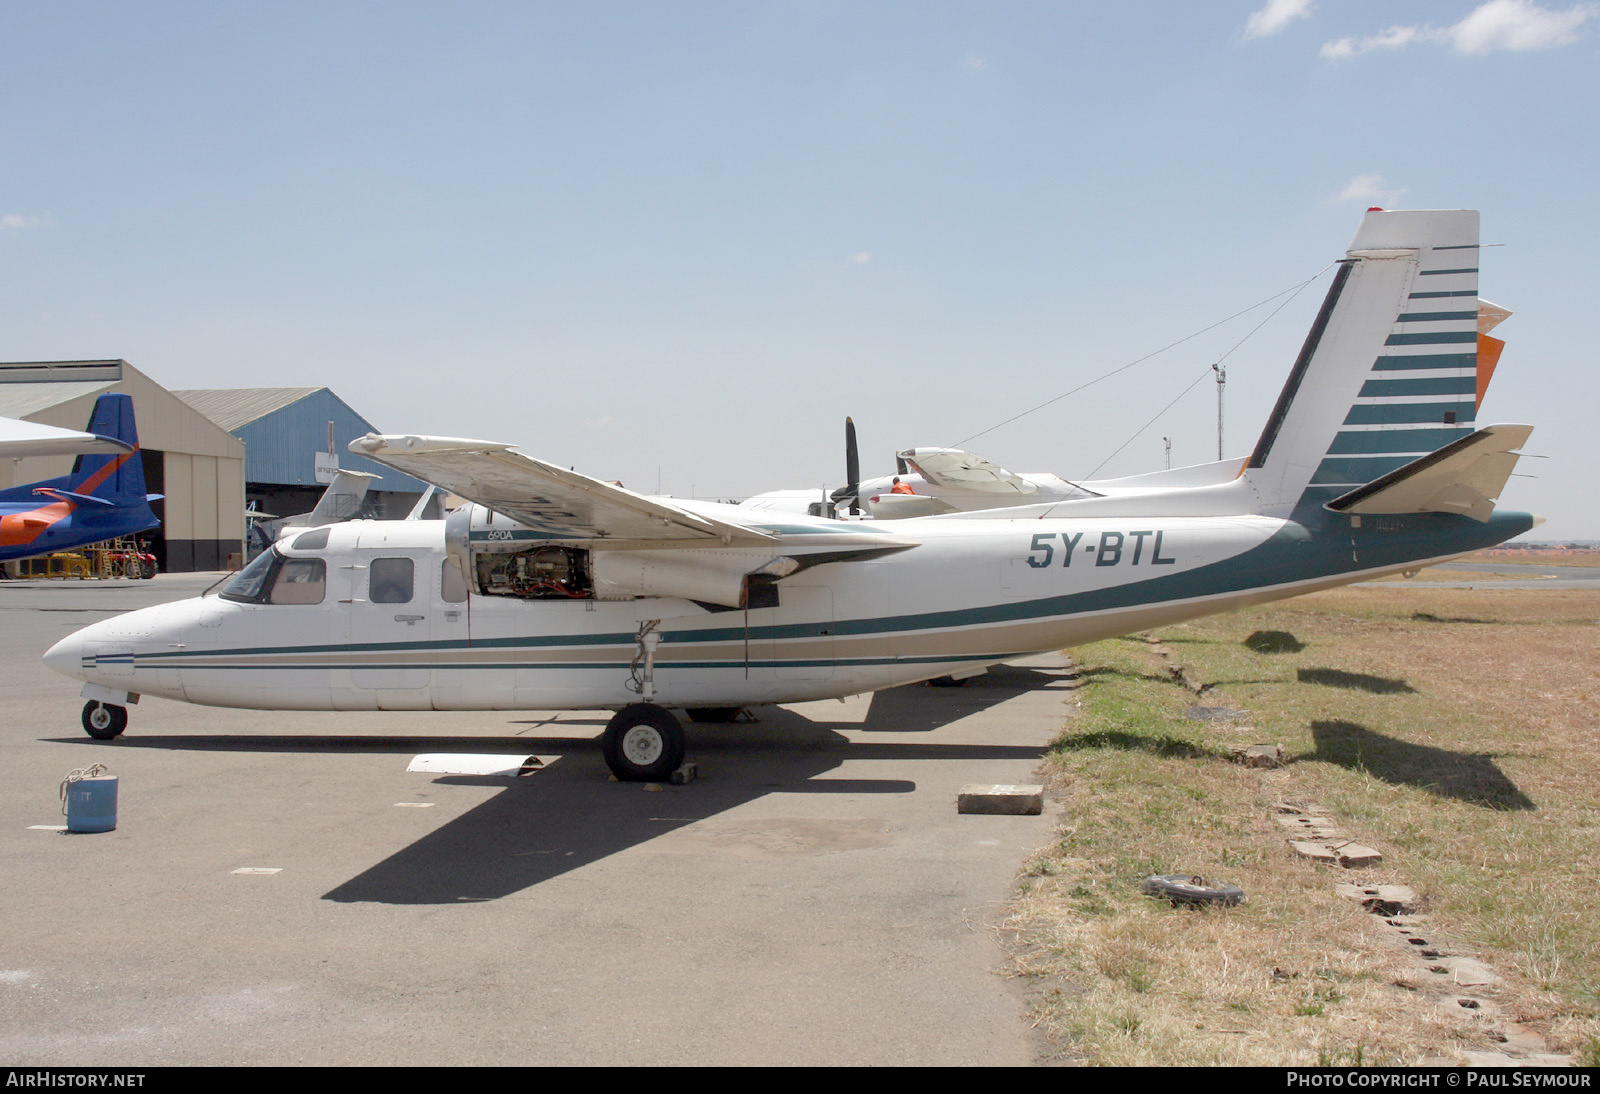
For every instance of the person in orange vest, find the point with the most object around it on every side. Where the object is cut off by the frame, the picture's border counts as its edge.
(901, 487)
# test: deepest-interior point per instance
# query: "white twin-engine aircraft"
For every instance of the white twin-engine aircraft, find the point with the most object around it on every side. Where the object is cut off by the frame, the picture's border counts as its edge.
(554, 590)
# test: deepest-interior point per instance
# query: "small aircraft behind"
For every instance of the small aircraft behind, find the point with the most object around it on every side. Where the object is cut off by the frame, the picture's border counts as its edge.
(341, 501)
(555, 590)
(102, 499)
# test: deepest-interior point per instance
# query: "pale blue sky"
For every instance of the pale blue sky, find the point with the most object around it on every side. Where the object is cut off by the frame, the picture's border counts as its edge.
(686, 239)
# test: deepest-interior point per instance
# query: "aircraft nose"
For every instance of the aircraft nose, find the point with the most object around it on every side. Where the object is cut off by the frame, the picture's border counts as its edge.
(66, 656)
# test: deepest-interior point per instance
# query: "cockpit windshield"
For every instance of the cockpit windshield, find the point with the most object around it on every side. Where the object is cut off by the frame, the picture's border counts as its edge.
(274, 579)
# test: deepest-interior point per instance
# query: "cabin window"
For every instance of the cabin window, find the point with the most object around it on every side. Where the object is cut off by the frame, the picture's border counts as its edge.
(389, 581)
(300, 581)
(452, 586)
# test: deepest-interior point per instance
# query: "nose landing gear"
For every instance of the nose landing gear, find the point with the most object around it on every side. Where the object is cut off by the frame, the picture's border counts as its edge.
(104, 721)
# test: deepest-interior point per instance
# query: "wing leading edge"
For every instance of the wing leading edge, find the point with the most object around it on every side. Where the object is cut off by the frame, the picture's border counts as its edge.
(551, 499)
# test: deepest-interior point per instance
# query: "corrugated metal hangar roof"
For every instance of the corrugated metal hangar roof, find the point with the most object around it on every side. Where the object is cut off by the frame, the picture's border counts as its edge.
(285, 428)
(27, 387)
(233, 407)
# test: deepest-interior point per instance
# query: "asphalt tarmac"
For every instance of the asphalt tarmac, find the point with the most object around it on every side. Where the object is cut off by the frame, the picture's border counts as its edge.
(280, 890)
(1530, 576)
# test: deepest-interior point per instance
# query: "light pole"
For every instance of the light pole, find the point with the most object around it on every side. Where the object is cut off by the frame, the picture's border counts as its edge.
(1222, 381)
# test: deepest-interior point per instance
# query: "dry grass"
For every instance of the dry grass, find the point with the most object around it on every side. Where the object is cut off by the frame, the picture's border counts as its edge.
(1455, 730)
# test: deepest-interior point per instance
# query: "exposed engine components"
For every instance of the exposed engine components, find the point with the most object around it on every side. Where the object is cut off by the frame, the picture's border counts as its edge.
(538, 573)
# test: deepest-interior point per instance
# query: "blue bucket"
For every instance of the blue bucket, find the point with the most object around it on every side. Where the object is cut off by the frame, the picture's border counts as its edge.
(89, 799)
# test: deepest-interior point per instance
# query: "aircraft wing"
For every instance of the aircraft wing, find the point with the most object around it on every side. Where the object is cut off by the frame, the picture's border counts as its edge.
(1463, 477)
(551, 499)
(19, 438)
(953, 469)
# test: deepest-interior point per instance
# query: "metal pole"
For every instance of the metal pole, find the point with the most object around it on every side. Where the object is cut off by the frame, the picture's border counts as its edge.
(1222, 381)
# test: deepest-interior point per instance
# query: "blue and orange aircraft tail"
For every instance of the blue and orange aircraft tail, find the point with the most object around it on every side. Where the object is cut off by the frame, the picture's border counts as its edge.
(104, 497)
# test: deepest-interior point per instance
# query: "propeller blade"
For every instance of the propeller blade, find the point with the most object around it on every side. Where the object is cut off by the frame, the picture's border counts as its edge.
(852, 464)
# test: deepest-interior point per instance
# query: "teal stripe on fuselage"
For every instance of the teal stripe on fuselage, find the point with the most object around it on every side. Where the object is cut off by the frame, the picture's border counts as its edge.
(662, 661)
(1437, 273)
(1441, 295)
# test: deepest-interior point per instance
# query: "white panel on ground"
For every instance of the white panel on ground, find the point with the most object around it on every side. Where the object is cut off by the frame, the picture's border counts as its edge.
(467, 763)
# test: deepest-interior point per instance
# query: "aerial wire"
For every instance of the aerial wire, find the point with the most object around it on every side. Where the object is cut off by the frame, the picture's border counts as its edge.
(1209, 368)
(1292, 289)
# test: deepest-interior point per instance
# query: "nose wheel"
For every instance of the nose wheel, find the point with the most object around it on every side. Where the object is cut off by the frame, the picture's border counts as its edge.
(103, 721)
(643, 743)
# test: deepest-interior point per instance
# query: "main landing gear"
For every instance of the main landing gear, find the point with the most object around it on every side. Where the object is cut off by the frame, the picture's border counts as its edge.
(103, 721)
(643, 743)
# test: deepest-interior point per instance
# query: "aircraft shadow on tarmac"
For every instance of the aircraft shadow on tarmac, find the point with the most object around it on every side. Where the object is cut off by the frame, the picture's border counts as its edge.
(569, 814)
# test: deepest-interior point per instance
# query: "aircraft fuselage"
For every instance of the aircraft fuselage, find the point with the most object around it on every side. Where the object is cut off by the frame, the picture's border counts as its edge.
(345, 635)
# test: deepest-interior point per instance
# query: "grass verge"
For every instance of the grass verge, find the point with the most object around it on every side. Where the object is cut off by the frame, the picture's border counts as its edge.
(1452, 729)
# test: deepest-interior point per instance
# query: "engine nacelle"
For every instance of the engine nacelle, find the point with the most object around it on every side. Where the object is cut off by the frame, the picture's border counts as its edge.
(712, 576)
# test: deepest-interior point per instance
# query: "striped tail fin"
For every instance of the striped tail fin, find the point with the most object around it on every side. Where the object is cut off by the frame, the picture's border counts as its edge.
(1388, 373)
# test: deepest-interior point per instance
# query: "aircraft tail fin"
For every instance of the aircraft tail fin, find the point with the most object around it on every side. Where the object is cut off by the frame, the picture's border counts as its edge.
(342, 499)
(118, 478)
(1389, 372)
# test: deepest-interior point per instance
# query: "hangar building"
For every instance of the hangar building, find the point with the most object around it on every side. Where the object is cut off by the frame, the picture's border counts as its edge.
(289, 434)
(199, 466)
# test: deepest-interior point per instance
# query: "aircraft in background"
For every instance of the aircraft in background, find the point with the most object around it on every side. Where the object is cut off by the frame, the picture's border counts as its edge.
(102, 499)
(340, 501)
(553, 590)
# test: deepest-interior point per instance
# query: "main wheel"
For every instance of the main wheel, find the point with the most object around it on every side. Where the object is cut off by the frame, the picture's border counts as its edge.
(147, 568)
(103, 721)
(643, 743)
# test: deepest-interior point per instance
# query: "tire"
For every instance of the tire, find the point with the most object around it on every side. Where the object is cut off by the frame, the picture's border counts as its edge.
(712, 714)
(1184, 889)
(643, 743)
(147, 568)
(104, 721)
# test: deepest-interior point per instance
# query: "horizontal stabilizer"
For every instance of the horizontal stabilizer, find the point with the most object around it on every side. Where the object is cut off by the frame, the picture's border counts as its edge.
(1463, 477)
(74, 497)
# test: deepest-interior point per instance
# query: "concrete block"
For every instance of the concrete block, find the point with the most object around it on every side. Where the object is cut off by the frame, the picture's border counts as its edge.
(1002, 798)
(1353, 856)
(1385, 900)
(1316, 852)
(1470, 972)
(1314, 827)
(1257, 755)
